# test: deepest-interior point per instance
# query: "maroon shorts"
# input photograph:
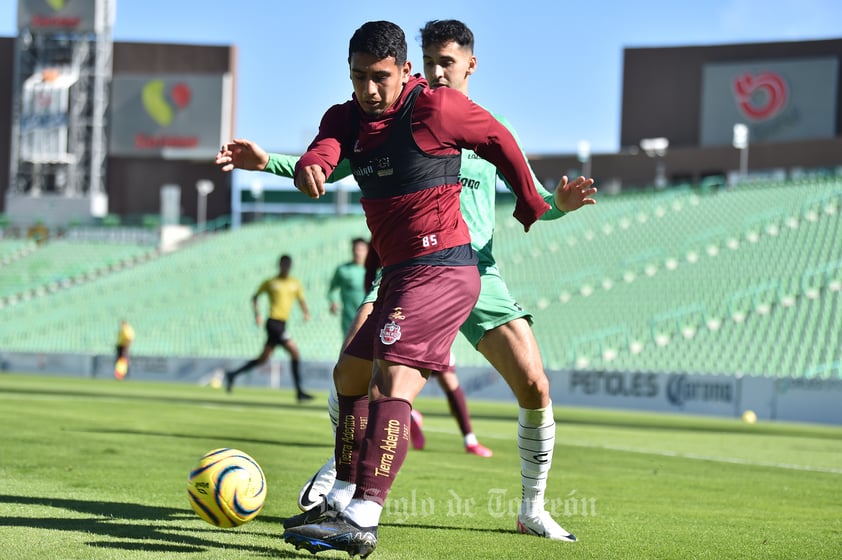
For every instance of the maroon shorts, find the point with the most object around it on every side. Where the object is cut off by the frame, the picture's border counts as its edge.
(417, 316)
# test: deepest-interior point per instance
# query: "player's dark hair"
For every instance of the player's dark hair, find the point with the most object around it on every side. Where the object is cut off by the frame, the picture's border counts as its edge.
(442, 31)
(380, 39)
(285, 259)
(356, 240)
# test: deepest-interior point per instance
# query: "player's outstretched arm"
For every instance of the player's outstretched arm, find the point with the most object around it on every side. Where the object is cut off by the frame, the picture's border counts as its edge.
(334, 288)
(248, 155)
(553, 213)
(305, 311)
(283, 165)
(241, 154)
(310, 179)
(570, 196)
(256, 308)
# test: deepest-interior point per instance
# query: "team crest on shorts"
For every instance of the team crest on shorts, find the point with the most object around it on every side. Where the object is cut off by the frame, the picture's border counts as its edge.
(397, 314)
(390, 333)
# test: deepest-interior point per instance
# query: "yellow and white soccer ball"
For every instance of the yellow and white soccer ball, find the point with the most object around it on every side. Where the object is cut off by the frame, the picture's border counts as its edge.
(226, 488)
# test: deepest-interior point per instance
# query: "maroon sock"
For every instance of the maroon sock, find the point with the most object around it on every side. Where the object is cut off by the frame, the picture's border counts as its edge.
(384, 448)
(353, 417)
(459, 409)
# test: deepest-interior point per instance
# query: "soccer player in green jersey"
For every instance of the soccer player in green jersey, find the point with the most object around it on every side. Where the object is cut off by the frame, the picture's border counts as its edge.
(348, 282)
(498, 327)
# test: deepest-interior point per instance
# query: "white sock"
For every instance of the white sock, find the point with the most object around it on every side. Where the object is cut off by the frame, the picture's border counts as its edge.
(535, 441)
(333, 407)
(364, 513)
(341, 493)
(471, 439)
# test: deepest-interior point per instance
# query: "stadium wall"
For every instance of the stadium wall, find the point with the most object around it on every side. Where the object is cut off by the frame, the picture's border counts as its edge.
(785, 399)
(689, 96)
(663, 88)
(634, 169)
(662, 96)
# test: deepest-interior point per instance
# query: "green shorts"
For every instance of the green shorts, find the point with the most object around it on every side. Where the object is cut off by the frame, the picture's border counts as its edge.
(495, 305)
(371, 296)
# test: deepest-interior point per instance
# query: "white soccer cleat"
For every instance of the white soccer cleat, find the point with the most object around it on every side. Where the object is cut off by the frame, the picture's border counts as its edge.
(314, 491)
(416, 434)
(543, 526)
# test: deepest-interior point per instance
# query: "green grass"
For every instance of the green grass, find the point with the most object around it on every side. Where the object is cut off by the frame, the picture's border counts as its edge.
(94, 469)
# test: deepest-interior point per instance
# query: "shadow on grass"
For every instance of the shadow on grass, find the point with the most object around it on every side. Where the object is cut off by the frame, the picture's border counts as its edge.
(200, 399)
(449, 528)
(327, 444)
(118, 522)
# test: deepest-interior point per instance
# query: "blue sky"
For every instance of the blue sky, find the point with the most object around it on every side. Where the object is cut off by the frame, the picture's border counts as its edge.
(553, 68)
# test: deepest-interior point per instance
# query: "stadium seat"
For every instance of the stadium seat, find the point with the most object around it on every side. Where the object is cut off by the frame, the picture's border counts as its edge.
(708, 280)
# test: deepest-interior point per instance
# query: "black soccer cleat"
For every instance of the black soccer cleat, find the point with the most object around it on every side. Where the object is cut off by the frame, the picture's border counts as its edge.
(335, 533)
(322, 512)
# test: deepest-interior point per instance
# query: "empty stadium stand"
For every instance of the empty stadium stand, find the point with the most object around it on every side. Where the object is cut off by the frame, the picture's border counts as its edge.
(737, 281)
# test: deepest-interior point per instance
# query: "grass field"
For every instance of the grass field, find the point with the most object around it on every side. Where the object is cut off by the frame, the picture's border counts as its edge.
(93, 469)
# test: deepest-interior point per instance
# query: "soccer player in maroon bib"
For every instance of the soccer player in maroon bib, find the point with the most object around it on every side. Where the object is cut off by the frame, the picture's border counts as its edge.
(403, 140)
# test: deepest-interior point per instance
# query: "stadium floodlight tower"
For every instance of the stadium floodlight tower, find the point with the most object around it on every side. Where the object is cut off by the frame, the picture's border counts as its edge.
(63, 58)
(203, 187)
(740, 141)
(583, 154)
(656, 148)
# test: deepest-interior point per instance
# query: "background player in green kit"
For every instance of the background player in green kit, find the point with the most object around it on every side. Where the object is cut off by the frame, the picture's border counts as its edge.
(348, 282)
(498, 327)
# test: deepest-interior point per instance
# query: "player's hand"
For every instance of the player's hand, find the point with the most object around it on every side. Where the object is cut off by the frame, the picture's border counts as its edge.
(306, 316)
(572, 196)
(258, 320)
(334, 308)
(241, 154)
(311, 181)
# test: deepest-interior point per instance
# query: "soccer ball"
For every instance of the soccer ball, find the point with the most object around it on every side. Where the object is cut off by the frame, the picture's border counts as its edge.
(226, 488)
